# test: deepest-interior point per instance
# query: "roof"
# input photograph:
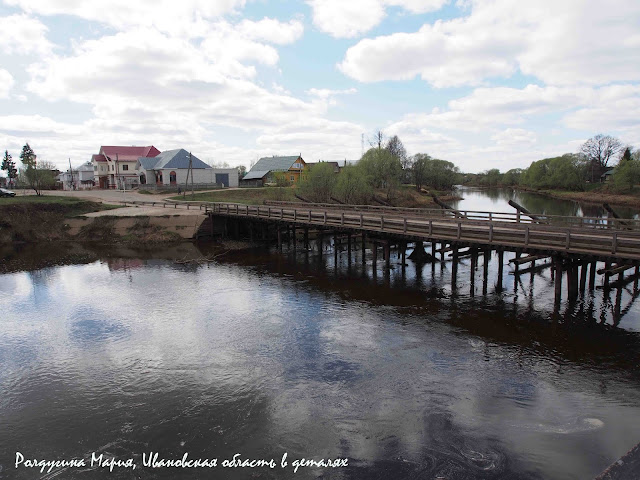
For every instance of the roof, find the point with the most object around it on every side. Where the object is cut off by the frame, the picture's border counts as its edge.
(177, 159)
(85, 167)
(128, 153)
(98, 158)
(255, 174)
(270, 164)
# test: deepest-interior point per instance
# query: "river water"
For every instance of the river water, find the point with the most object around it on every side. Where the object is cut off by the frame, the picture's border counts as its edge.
(259, 353)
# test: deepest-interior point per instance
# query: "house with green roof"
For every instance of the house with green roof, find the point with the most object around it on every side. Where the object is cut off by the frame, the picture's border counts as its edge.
(267, 168)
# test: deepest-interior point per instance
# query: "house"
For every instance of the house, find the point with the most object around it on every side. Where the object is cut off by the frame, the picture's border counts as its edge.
(116, 166)
(606, 176)
(80, 178)
(267, 168)
(170, 168)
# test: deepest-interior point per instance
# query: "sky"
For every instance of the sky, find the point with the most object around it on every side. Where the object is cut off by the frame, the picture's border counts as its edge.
(482, 83)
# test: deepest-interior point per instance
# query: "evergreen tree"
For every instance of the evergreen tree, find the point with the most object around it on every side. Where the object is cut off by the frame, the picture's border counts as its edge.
(28, 157)
(9, 166)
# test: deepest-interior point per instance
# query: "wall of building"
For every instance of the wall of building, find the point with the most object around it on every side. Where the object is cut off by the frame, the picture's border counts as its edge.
(200, 175)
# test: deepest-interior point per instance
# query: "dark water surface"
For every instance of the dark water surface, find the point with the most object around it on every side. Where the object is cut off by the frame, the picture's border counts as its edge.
(260, 353)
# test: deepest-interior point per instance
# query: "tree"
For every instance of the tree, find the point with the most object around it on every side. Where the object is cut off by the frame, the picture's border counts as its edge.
(10, 167)
(627, 172)
(242, 171)
(36, 176)
(377, 140)
(434, 173)
(598, 150)
(319, 183)
(352, 187)
(382, 170)
(493, 177)
(396, 148)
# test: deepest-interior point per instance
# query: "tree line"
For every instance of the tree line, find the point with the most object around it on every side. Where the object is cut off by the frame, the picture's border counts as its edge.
(383, 168)
(34, 174)
(573, 171)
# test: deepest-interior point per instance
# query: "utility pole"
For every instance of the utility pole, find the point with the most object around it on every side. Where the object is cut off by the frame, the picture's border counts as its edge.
(71, 172)
(191, 169)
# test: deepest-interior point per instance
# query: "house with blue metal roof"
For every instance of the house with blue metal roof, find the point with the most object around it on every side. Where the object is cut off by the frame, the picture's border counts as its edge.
(267, 168)
(171, 168)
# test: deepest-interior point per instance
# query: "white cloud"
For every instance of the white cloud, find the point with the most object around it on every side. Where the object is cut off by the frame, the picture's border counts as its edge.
(271, 30)
(497, 38)
(23, 35)
(164, 14)
(345, 19)
(515, 137)
(6, 83)
(325, 93)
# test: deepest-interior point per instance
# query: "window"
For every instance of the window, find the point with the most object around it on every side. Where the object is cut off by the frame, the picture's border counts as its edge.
(293, 178)
(95, 168)
(172, 178)
(125, 167)
(111, 167)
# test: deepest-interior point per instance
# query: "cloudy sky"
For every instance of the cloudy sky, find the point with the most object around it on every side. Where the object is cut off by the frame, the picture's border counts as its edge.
(483, 83)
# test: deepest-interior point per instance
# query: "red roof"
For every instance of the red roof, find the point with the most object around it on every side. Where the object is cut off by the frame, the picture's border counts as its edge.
(98, 158)
(128, 153)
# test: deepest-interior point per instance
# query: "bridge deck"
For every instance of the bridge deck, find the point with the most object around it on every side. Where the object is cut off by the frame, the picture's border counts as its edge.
(615, 243)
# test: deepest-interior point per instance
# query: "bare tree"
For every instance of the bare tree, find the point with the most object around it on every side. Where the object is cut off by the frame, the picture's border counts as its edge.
(599, 150)
(377, 140)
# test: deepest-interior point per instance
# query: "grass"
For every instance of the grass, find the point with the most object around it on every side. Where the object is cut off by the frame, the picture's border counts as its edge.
(246, 196)
(71, 206)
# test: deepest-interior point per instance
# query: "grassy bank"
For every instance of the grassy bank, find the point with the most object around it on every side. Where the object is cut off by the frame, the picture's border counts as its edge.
(406, 196)
(595, 194)
(33, 219)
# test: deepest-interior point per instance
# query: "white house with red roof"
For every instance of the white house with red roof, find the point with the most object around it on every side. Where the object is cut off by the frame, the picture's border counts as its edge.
(117, 166)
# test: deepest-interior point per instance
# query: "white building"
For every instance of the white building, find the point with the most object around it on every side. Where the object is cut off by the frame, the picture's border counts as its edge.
(80, 178)
(170, 168)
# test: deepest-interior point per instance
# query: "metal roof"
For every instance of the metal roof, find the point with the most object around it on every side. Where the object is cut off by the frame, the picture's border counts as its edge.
(270, 164)
(178, 159)
(128, 153)
(255, 174)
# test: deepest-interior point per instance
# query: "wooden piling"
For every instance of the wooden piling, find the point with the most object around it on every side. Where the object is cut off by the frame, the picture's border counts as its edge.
(592, 275)
(306, 238)
(583, 276)
(558, 280)
(364, 248)
(572, 281)
(485, 271)
(500, 269)
(279, 238)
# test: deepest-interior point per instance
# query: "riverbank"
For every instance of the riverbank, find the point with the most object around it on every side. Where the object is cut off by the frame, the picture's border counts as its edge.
(594, 195)
(32, 219)
(406, 196)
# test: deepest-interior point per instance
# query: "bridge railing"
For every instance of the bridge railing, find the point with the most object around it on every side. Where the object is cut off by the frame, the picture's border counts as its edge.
(545, 237)
(512, 217)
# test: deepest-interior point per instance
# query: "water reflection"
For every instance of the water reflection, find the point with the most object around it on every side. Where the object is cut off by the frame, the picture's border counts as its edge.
(496, 200)
(314, 355)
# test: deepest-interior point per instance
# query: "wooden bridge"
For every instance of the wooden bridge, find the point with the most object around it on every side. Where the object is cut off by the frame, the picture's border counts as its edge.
(572, 243)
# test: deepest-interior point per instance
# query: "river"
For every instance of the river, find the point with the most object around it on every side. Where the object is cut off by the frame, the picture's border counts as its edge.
(258, 353)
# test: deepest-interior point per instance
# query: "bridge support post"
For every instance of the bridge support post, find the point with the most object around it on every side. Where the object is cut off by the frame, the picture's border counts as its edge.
(279, 237)
(557, 266)
(293, 235)
(335, 250)
(474, 264)
(374, 256)
(387, 255)
(572, 280)
(349, 247)
(485, 271)
(583, 276)
(403, 247)
(306, 238)
(454, 268)
(364, 248)
(500, 269)
(319, 241)
(592, 275)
